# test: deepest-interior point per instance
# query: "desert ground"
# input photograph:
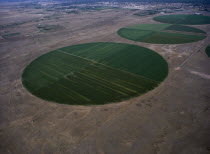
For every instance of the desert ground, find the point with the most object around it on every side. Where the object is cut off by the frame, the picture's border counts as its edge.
(173, 118)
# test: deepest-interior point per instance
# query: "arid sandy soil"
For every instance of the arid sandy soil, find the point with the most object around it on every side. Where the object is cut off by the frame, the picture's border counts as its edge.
(174, 118)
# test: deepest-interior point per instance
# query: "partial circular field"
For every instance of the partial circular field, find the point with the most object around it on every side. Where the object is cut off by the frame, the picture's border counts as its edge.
(94, 73)
(162, 33)
(208, 51)
(183, 19)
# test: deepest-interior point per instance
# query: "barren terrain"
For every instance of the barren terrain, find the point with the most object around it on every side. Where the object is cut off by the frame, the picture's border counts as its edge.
(173, 118)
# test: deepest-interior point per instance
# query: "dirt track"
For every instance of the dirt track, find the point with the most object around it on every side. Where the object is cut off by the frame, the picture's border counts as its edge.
(173, 118)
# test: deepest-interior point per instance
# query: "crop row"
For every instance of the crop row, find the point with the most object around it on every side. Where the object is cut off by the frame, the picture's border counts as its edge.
(96, 83)
(95, 74)
(144, 61)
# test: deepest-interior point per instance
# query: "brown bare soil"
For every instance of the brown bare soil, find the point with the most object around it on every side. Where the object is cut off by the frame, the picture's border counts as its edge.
(173, 118)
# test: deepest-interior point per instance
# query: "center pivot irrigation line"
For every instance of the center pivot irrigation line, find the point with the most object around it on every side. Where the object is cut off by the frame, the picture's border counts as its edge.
(193, 54)
(109, 66)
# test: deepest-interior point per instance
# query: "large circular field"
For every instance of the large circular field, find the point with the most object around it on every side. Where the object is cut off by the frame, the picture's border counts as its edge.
(183, 19)
(94, 73)
(162, 33)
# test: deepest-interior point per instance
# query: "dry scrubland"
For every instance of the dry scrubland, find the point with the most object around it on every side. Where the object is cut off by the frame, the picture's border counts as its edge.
(172, 118)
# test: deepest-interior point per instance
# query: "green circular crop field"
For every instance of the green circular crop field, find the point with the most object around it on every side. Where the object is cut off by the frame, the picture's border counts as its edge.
(183, 19)
(162, 33)
(94, 73)
(208, 51)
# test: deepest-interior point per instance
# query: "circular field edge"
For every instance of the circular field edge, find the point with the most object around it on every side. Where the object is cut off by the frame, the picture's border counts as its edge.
(182, 23)
(48, 100)
(123, 36)
(207, 50)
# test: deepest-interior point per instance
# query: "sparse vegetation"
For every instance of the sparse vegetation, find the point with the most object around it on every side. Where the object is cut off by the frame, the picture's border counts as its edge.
(172, 118)
(72, 12)
(8, 35)
(12, 25)
(49, 27)
(157, 10)
(147, 12)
